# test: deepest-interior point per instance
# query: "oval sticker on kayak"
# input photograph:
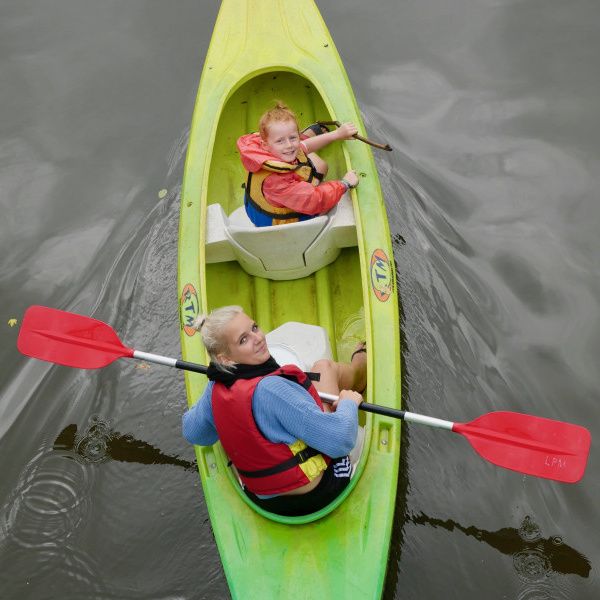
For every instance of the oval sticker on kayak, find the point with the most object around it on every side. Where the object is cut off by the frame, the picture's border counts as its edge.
(381, 275)
(188, 308)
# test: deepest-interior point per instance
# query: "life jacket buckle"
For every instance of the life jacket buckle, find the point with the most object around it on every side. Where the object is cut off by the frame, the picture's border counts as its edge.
(304, 455)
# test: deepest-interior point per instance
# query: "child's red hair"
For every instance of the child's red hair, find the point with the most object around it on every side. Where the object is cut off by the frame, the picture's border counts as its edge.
(279, 113)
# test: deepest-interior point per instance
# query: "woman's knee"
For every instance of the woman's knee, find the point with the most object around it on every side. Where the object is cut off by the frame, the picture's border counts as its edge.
(325, 366)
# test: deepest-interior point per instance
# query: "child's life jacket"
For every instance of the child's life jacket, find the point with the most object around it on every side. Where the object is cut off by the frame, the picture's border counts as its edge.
(279, 192)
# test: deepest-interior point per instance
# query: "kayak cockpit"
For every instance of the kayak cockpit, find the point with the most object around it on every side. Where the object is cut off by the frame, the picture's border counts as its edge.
(279, 252)
(302, 345)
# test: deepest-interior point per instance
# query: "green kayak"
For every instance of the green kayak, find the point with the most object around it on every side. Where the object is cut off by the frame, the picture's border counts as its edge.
(333, 272)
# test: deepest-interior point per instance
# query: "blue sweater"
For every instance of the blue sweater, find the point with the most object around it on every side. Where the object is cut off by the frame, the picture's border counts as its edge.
(284, 412)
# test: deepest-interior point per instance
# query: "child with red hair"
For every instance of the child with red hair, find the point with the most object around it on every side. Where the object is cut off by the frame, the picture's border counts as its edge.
(285, 175)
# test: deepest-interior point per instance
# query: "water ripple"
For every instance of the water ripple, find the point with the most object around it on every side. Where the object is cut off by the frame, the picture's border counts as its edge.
(536, 593)
(50, 501)
(92, 445)
(54, 571)
(540, 560)
(529, 530)
(532, 565)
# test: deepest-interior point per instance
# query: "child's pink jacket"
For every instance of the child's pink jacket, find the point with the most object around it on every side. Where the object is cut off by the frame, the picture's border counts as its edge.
(288, 189)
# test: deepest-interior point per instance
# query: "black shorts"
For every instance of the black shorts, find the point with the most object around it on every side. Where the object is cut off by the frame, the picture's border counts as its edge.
(334, 481)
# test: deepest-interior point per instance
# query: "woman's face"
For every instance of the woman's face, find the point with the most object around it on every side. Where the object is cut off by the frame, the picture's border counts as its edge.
(246, 343)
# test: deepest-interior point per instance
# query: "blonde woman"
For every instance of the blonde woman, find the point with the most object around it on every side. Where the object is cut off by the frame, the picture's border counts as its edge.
(290, 453)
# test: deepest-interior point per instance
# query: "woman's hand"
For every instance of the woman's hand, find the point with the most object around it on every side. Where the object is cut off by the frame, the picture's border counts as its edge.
(346, 131)
(348, 395)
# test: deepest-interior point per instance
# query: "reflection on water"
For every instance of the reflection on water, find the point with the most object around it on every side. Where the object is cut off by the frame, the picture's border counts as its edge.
(51, 508)
(52, 498)
(534, 557)
(99, 443)
(532, 565)
(49, 503)
(54, 571)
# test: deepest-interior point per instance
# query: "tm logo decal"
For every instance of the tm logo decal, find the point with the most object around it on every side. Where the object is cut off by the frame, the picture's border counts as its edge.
(188, 308)
(381, 275)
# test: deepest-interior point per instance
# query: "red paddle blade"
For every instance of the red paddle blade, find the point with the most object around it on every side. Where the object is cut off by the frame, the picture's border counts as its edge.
(531, 445)
(68, 339)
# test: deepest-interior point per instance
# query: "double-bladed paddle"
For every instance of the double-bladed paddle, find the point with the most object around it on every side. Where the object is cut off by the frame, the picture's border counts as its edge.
(524, 443)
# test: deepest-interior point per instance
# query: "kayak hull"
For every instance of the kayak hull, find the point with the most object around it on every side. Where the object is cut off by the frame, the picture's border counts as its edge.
(287, 54)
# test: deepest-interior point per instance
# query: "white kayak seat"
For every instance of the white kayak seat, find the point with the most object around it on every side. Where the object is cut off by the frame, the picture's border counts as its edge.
(299, 344)
(279, 252)
(217, 246)
(302, 345)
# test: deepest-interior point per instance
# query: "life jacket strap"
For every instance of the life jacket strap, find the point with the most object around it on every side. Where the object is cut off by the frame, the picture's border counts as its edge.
(310, 376)
(305, 169)
(290, 463)
(317, 128)
(260, 209)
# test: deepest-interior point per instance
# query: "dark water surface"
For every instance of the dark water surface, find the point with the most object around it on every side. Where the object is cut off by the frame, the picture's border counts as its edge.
(492, 191)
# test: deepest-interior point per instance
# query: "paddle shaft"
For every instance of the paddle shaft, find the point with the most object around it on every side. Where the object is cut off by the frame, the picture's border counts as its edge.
(356, 136)
(395, 413)
(328, 398)
(169, 362)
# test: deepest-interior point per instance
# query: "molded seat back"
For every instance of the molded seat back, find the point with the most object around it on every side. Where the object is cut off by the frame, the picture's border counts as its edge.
(279, 247)
(279, 251)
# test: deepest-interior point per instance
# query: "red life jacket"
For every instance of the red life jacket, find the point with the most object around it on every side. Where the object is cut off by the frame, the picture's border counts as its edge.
(264, 467)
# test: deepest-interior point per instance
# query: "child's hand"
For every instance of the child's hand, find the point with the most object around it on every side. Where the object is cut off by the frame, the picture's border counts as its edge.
(351, 178)
(347, 131)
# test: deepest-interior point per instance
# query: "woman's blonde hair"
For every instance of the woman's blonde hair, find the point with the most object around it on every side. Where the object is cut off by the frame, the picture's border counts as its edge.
(279, 113)
(211, 327)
